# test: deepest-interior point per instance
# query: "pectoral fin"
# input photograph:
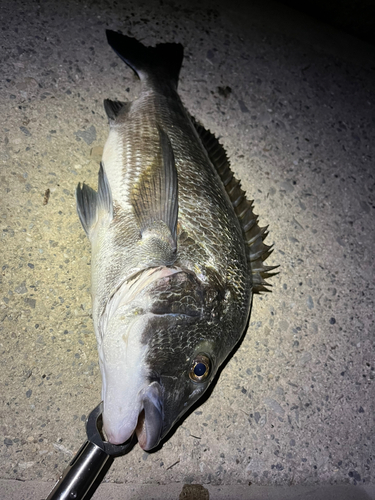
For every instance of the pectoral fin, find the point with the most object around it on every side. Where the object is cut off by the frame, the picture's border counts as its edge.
(93, 206)
(155, 196)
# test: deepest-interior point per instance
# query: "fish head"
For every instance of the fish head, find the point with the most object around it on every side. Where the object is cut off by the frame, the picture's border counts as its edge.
(159, 353)
(184, 374)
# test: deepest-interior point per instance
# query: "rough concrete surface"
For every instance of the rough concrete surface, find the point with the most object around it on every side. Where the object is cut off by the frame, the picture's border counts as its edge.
(293, 103)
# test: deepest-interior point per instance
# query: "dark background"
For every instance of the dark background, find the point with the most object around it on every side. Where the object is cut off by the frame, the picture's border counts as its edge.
(354, 17)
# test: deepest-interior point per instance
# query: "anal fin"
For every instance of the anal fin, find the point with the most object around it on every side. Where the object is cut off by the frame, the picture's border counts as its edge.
(113, 108)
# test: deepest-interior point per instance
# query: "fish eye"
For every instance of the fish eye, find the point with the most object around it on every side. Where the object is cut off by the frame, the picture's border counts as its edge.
(200, 368)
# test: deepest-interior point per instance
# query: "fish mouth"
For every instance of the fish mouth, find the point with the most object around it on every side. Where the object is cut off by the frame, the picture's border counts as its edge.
(146, 421)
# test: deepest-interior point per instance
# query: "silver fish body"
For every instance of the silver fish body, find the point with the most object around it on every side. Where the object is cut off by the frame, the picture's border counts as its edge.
(176, 253)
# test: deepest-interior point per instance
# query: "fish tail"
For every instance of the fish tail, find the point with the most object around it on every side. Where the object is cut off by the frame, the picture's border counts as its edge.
(160, 63)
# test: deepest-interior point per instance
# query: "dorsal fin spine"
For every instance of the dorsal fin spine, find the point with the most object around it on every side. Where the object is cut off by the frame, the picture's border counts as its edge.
(254, 235)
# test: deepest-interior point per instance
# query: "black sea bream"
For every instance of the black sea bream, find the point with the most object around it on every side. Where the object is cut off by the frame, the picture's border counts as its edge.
(176, 253)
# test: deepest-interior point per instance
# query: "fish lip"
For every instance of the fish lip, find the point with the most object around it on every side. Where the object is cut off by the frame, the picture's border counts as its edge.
(150, 420)
(148, 423)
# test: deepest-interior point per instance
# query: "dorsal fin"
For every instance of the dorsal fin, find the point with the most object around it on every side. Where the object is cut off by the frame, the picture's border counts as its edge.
(155, 196)
(253, 234)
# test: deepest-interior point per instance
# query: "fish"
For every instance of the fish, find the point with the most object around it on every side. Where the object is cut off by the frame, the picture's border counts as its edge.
(177, 252)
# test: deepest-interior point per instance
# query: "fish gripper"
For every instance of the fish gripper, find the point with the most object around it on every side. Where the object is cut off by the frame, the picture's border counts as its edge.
(88, 467)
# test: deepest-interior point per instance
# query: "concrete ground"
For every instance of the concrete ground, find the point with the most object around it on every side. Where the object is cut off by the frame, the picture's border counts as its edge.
(292, 415)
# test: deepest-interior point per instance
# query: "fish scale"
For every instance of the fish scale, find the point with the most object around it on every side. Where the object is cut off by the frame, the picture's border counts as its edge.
(176, 253)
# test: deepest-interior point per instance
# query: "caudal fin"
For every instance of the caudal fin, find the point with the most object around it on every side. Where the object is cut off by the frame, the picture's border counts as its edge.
(162, 62)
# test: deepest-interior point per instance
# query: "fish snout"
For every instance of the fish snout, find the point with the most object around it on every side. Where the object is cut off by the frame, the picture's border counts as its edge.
(145, 418)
